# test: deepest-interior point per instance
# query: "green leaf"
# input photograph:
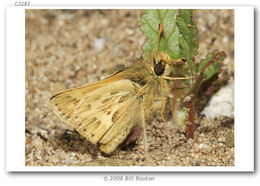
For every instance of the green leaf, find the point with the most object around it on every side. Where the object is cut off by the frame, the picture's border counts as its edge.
(187, 29)
(170, 35)
(211, 65)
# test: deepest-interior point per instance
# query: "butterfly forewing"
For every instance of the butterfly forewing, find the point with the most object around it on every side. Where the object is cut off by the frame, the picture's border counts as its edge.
(64, 103)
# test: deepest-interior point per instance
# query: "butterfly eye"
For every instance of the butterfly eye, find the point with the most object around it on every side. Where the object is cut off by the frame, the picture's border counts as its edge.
(159, 69)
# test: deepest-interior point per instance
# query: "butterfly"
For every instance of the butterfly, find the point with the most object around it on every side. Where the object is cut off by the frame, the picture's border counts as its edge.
(105, 112)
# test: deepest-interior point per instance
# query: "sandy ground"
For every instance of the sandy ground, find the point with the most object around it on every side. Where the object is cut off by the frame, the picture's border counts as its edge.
(70, 48)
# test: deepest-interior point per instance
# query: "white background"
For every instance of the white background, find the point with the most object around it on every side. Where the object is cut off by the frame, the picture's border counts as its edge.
(174, 178)
(15, 103)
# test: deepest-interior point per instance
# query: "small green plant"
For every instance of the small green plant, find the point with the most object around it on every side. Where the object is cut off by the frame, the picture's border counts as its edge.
(178, 38)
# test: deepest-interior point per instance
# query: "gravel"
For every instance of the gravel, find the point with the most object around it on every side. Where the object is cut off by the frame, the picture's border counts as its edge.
(71, 48)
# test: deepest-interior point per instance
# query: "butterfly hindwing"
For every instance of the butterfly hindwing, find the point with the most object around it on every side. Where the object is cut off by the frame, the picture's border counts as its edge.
(118, 138)
(104, 113)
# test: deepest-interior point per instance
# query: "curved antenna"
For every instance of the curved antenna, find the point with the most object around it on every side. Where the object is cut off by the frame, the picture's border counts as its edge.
(159, 35)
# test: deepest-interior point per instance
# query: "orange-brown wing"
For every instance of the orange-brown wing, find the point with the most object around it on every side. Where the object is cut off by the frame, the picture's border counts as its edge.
(63, 104)
(107, 114)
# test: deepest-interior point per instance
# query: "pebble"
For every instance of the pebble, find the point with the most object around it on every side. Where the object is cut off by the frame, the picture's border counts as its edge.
(229, 140)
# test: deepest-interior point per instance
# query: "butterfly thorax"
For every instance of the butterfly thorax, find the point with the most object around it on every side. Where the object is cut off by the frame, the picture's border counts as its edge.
(146, 74)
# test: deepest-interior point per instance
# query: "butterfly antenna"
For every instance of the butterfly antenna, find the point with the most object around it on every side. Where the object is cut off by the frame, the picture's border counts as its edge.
(159, 35)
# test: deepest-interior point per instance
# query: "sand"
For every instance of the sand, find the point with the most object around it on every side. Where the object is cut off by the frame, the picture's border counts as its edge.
(70, 48)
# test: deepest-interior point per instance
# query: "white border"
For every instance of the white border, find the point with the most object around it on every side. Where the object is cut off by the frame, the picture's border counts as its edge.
(244, 91)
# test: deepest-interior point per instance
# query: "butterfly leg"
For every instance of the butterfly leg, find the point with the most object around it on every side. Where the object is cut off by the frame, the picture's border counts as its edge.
(146, 145)
(165, 100)
(162, 82)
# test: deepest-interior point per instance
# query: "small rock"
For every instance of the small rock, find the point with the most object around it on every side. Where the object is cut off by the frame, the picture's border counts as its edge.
(229, 139)
(222, 103)
(99, 44)
(201, 146)
(195, 163)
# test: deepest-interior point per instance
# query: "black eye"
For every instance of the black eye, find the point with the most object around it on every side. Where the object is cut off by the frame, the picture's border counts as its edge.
(159, 69)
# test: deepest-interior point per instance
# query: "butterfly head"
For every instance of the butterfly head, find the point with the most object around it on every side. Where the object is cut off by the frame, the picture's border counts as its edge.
(160, 63)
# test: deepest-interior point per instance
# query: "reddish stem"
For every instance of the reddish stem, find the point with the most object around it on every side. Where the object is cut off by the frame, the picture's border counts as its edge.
(191, 126)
